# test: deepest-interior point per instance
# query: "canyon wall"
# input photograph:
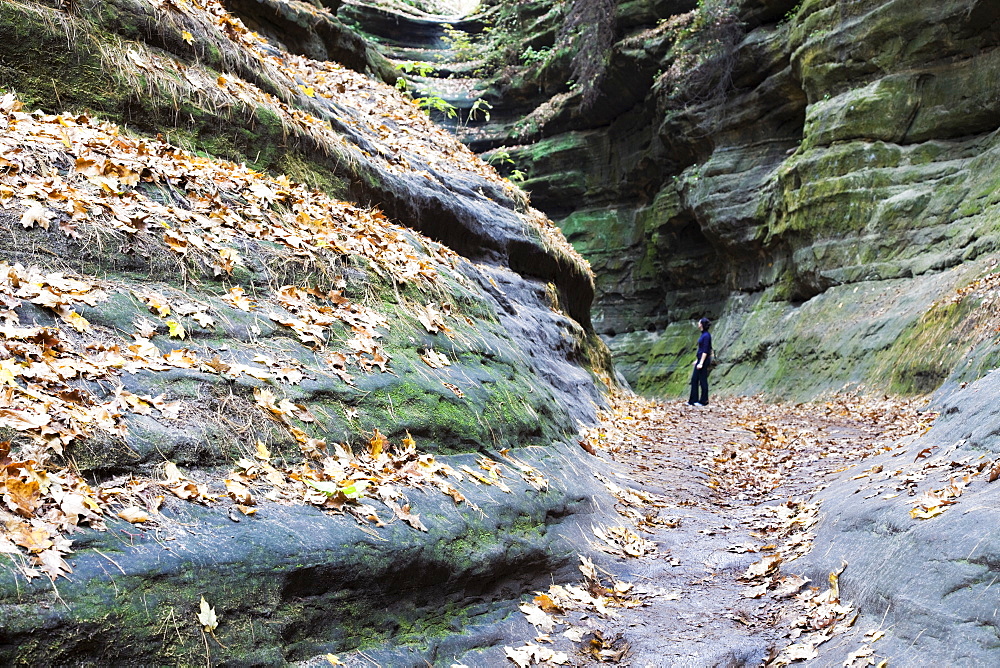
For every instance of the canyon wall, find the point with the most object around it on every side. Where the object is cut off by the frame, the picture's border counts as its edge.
(818, 177)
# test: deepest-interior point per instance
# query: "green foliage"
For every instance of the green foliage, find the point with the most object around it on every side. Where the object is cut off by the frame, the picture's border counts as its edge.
(480, 106)
(420, 68)
(501, 159)
(435, 103)
(417, 67)
(459, 42)
(500, 156)
(791, 14)
(532, 57)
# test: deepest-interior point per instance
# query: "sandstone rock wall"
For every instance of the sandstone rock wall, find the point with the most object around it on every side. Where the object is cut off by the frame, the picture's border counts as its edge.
(761, 163)
(924, 581)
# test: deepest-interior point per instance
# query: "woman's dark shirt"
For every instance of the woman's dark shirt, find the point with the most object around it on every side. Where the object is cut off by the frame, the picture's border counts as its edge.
(705, 346)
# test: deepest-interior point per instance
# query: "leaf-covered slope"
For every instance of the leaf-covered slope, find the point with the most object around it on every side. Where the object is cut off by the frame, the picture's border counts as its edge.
(196, 70)
(186, 330)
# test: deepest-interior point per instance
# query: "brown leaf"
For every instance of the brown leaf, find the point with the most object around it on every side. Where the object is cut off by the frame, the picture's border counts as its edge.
(403, 513)
(134, 515)
(23, 420)
(218, 365)
(22, 497)
(239, 493)
(765, 566)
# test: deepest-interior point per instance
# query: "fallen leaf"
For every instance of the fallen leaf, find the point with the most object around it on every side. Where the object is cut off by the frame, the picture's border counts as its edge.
(36, 214)
(919, 514)
(800, 652)
(134, 515)
(239, 493)
(207, 617)
(765, 566)
(546, 603)
(377, 443)
(176, 329)
(262, 452)
(538, 617)
(22, 497)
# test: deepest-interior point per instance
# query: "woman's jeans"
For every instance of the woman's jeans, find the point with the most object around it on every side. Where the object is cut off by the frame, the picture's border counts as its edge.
(699, 380)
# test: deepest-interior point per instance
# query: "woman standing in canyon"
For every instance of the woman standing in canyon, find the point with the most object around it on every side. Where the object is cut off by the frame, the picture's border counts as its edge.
(702, 365)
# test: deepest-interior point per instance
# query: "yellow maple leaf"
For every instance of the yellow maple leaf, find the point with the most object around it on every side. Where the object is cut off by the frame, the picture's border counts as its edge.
(262, 451)
(308, 90)
(176, 329)
(920, 514)
(187, 37)
(9, 370)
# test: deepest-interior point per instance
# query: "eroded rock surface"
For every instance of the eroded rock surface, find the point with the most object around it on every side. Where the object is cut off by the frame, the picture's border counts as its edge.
(373, 288)
(915, 535)
(748, 160)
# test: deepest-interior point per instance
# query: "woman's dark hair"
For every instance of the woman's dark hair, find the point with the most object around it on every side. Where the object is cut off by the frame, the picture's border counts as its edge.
(705, 323)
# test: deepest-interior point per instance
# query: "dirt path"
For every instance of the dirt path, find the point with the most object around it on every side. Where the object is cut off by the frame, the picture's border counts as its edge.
(724, 494)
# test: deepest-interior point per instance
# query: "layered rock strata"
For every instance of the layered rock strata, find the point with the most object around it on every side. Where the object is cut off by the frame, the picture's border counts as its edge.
(759, 163)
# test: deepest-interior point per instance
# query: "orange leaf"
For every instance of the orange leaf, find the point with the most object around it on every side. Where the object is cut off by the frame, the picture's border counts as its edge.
(31, 538)
(544, 602)
(22, 497)
(377, 443)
